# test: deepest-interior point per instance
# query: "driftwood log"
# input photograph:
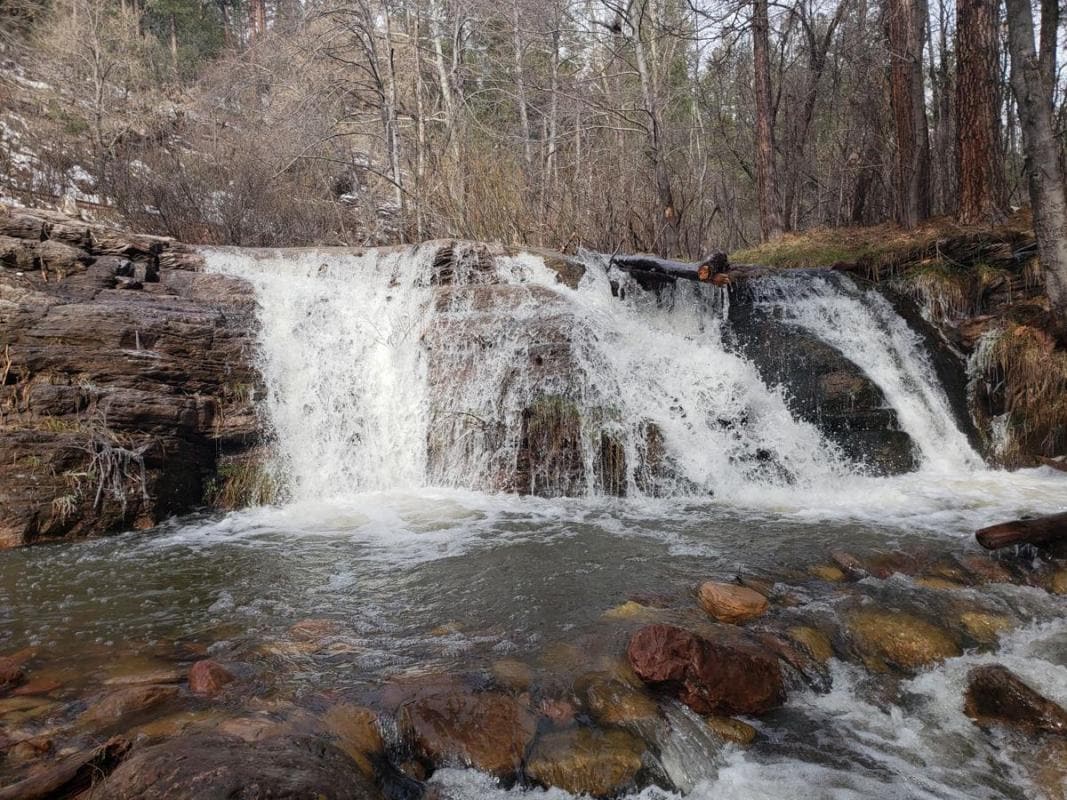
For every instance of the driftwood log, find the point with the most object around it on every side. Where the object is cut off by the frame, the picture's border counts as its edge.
(652, 272)
(1038, 531)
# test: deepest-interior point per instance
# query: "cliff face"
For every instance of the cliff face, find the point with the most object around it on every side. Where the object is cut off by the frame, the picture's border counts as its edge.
(126, 389)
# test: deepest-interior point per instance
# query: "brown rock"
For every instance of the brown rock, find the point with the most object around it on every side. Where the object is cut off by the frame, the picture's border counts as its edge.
(613, 702)
(1048, 769)
(984, 627)
(731, 677)
(732, 730)
(71, 776)
(208, 678)
(358, 734)
(730, 603)
(814, 641)
(489, 731)
(509, 673)
(203, 766)
(11, 674)
(123, 704)
(997, 696)
(586, 761)
(1058, 582)
(986, 569)
(901, 640)
(828, 572)
(559, 712)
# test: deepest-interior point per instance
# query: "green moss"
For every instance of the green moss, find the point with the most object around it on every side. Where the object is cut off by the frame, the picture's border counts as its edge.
(241, 484)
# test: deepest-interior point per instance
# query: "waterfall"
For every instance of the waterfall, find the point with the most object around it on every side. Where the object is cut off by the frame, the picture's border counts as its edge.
(422, 366)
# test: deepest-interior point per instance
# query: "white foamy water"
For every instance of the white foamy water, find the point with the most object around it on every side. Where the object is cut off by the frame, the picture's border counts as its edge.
(379, 380)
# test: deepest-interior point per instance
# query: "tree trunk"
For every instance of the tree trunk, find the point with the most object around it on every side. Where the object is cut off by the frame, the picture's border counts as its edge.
(981, 193)
(1042, 157)
(770, 216)
(1039, 530)
(906, 33)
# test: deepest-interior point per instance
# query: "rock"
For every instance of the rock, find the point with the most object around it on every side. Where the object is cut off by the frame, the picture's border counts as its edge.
(938, 583)
(170, 370)
(308, 630)
(984, 627)
(613, 702)
(730, 603)
(986, 569)
(586, 761)
(814, 641)
(728, 676)
(71, 776)
(559, 712)
(358, 734)
(119, 706)
(206, 766)
(1048, 770)
(510, 673)
(252, 729)
(11, 674)
(489, 731)
(828, 572)
(208, 678)
(1058, 582)
(732, 730)
(30, 749)
(630, 611)
(997, 696)
(900, 640)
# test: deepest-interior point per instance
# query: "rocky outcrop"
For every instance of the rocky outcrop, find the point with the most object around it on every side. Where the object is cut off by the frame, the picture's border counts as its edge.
(126, 388)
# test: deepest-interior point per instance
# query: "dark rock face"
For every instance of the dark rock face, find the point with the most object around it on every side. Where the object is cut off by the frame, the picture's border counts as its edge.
(997, 696)
(823, 388)
(125, 378)
(732, 676)
(211, 767)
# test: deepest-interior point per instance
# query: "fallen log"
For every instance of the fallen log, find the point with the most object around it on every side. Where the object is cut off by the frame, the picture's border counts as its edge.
(1038, 531)
(668, 271)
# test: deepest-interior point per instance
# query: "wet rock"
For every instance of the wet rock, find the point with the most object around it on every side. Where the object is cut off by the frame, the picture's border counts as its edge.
(29, 749)
(252, 729)
(35, 685)
(586, 761)
(985, 627)
(997, 696)
(900, 640)
(208, 678)
(207, 766)
(11, 674)
(71, 776)
(937, 583)
(986, 569)
(1058, 582)
(732, 730)
(559, 712)
(1048, 770)
(311, 630)
(731, 676)
(630, 611)
(613, 702)
(510, 673)
(489, 731)
(828, 572)
(814, 641)
(119, 706)
(730, 603)
(357, 733)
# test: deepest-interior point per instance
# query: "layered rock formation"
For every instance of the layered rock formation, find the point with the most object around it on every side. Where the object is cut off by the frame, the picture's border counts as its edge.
(126, 389)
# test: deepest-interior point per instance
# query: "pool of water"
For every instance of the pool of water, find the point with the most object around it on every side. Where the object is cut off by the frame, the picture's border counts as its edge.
(447, 582)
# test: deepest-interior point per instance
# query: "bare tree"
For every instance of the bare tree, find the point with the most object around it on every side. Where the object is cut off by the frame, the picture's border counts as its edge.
(766, 175)
(1031, 85)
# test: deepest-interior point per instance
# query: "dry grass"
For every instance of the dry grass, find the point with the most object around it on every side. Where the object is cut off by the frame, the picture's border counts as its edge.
(1027, 380)
(240, 485)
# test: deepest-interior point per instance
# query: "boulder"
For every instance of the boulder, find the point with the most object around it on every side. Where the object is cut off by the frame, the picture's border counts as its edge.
(357, 733)
(208, 678)
(731, 603)
(489, 731)
(729, 675)
(997, 696)
(900, 640)
(586, 761)
(814, 641)
(11, 674)
(984, 627)
(213, 767)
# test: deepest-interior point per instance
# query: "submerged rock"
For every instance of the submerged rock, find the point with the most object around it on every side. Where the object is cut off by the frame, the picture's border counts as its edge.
(731, 676)
(122, 705)
(208, 678)
(11, 674)
(997, 696)
(358, 734)
(586, 761)
(900, 640)
(212, 767)
(730, 603)
(614, 702)
(489, 731)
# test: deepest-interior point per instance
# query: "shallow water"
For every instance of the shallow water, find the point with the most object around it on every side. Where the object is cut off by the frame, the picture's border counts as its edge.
(449, 582)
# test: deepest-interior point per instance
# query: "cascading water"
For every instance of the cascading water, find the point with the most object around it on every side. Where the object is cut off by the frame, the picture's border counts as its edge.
(384, 372)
